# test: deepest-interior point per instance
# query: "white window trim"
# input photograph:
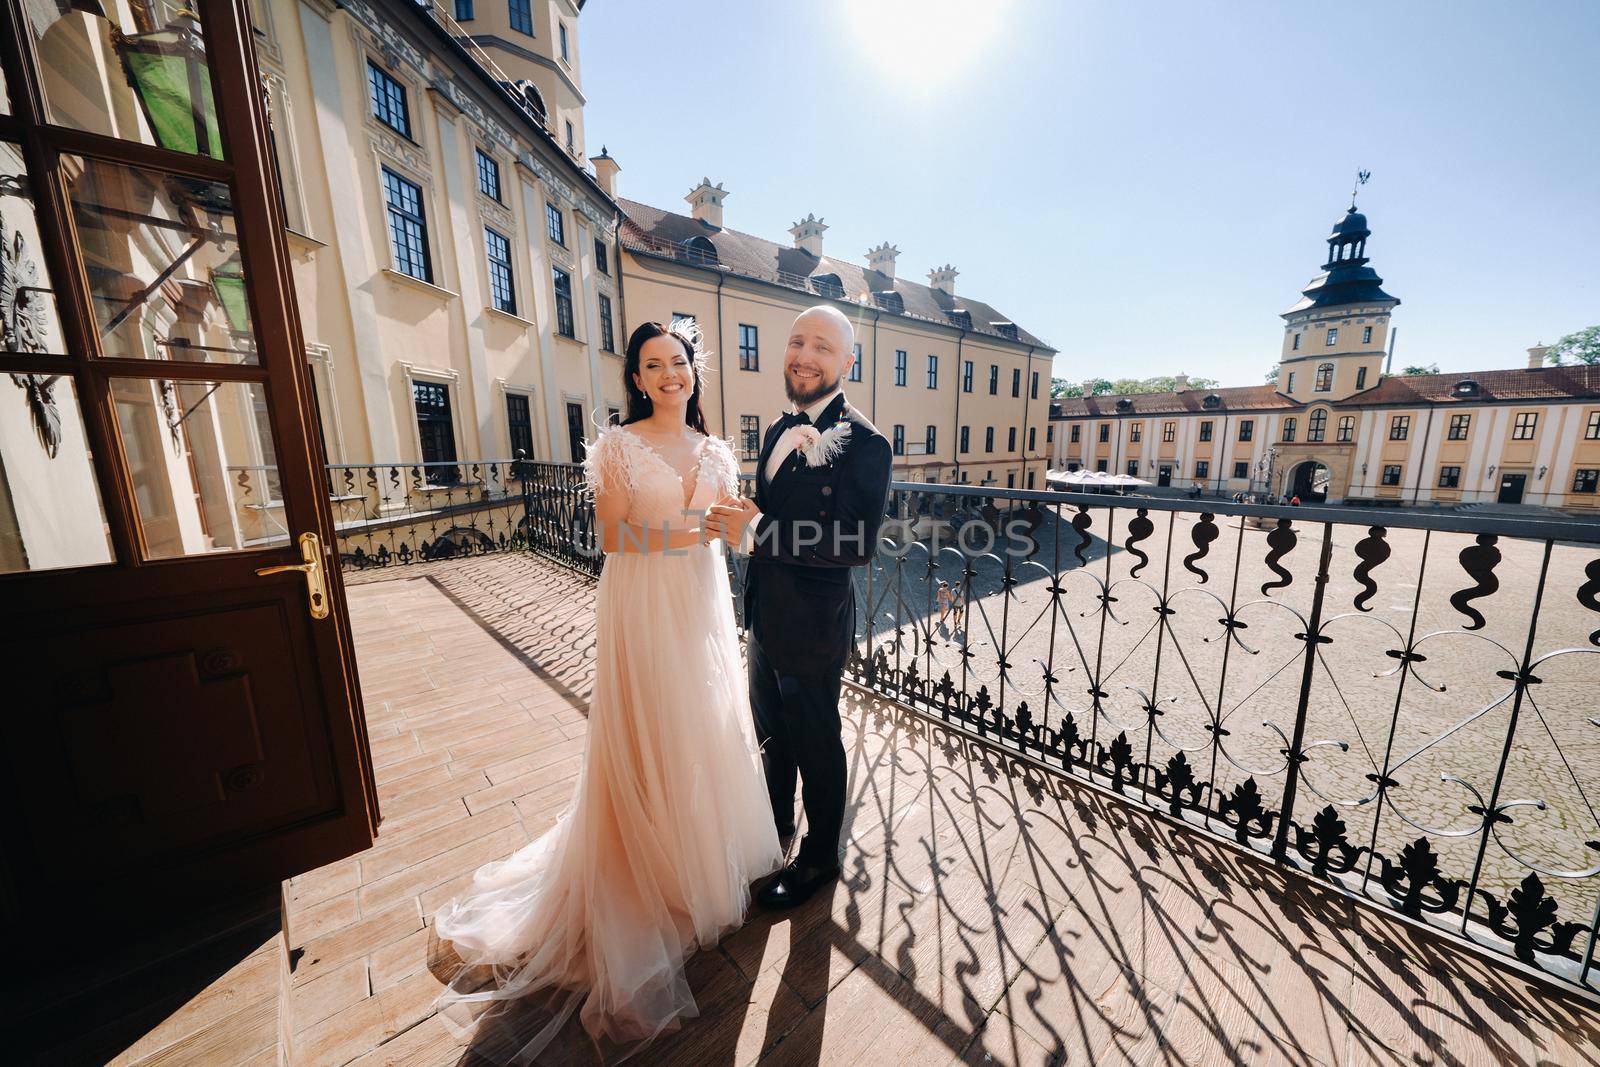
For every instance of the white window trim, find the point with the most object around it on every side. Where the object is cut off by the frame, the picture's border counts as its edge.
(451, 380)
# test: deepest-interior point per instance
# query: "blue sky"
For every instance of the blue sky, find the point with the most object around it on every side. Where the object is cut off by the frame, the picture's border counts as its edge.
(1145, 185)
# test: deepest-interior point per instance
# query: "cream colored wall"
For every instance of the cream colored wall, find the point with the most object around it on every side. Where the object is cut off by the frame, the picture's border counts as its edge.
(1349, 354)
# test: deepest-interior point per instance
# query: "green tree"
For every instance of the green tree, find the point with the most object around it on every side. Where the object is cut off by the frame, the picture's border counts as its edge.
(1418, 368)
(1580, 347)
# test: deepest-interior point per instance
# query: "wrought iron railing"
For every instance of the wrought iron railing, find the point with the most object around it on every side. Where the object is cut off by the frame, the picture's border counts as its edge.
(387, 514)
(1404, 711)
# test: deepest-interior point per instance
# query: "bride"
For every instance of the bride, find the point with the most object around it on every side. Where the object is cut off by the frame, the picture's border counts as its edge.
(669, 822)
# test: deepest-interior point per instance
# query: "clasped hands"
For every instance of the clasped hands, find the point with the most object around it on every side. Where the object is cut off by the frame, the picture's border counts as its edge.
(727, 519)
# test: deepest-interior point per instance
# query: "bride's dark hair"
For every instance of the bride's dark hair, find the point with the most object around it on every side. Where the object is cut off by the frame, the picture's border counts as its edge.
(639, 405)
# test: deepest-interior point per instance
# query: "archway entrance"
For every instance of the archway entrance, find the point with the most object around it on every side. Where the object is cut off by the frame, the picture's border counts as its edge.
(1309, 482)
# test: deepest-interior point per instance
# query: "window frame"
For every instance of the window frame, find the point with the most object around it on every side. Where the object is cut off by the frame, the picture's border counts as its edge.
(855, 367)
(994, 379)
(1291, 426)
(1323, 381)
(488, 174)
(898, 439)
(1525, 426)
(1391, 474)
(608, 328)
(1332, 338)
(1586, 480)
(900, 361)
(1169, 432)
(502, 277)
(1207, 427)
(1247, 429)
(1460, 426)
(1449, 477)
(602, 256)
(1347, 429)
(966, 376)
(1400, 427)
(524, 9)
(1317, 426)
(381, 82)
(749, 347)
(555, 223)
(933, 370)
(750, 431)
(566, 324)
(404, 217)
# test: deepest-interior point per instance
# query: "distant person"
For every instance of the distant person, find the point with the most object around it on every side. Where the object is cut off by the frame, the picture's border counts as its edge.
(1294, 501)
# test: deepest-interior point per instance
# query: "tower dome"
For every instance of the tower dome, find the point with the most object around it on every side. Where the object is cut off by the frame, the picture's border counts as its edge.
(1345, 277)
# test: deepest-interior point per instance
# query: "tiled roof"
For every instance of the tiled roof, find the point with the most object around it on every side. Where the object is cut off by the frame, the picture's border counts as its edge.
(1236, 398)
(1545, 383)
(755, 257)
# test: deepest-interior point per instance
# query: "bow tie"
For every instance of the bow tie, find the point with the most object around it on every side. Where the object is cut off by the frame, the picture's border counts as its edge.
(796, 418)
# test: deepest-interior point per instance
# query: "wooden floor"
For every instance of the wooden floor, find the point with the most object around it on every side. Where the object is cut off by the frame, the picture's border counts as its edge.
(987, 913)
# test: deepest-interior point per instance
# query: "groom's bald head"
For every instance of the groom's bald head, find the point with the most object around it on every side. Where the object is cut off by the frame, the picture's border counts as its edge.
(820, 350)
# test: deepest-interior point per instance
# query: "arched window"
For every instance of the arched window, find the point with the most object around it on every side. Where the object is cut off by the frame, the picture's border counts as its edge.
(1324, 377)
(700, 248)
(1317, 425)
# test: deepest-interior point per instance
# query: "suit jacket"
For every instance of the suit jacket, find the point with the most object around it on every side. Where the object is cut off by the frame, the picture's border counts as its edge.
(816, 524)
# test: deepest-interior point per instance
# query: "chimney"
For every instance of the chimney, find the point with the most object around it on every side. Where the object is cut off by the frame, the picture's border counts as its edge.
(808, 235)
(881, 259)
(705, 201)
(1536, 356)
(1180, 383)
(605, 172)
(944, 279)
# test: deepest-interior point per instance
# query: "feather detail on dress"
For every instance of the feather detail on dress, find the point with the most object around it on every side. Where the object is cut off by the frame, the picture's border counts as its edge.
(829, 447)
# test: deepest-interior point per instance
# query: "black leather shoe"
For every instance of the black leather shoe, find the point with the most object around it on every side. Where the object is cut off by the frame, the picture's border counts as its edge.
(795, 884)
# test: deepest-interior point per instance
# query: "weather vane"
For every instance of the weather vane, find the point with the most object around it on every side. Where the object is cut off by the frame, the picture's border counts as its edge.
(1361, 179)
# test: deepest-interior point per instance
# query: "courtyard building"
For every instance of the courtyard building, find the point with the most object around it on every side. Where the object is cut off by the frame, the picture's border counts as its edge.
(1339, 426)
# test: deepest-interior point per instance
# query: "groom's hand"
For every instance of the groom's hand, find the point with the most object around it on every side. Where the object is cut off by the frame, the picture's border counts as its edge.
(729, 517)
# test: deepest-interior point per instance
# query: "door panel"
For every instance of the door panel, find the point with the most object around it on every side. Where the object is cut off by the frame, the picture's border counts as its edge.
(1511, 488)
(183, 718)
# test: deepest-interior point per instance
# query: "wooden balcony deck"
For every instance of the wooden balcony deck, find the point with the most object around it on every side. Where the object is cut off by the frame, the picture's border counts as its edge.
(988, 914)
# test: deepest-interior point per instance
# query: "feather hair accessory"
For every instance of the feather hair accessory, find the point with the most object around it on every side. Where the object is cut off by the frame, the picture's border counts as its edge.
(688, 331)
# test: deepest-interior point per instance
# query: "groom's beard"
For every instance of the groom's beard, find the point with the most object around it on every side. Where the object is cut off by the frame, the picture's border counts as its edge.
(804, 397)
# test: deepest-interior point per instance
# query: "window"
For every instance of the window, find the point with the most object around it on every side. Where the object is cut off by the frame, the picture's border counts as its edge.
(522, 16)
(463, 10)
(1288, 429)
(1333, 336)
(1136, 432)
(519, 425)
(1016, 381)
(749, 348)
(855, 367)
(1459, 426)
(608, 333)
(1133, 468)
(899, 366)
(1100, 465)
(1247, 429)
(1324, 379)
(563, 283)
(602, 257)
(682, 316)
(930, 441)
(1032, 437)
(613, 416)
(1449, 477)
(1361, 377)
(435, 426)
(388, 100)
(1294, 345)
(1523, 429)
(575, 442)
(1241, 468)
(899, 439)
(1317, 425)
(1169, 431)
(1049, 435)
(1347, 428)
(966, 376)
(572, 144)
(555, 224)
(561, 31)
(1033, 386)
(1591, 429)
(966, 439)
(933, 372)
(1105, 432)
(408, 226)
(750, 436)
(988, 439)
(1291, 382)
(1585, 480)
(1205, 430)
(1399, 427)
(1030, 479)
(1366, 335)
(1011, 439)
(994, 379)
(488, 175)
(1076, 434)
(1391, 474)
(501, 291)
(1202, 469)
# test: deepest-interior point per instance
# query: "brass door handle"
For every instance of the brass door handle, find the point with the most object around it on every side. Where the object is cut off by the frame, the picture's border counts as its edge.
(316, 581)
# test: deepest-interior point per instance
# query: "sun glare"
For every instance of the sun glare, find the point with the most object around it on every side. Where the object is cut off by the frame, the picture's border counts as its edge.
(925, 47)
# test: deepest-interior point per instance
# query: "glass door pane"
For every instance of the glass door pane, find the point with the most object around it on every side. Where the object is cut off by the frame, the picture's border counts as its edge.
(29, 324)
(137, 71)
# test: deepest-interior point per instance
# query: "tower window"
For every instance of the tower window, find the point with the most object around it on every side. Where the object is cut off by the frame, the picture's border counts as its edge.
(1366, 335)
(1288, 429)
(1347, 428)
(522, 16)
(1324, 379)
(1317, 425)
(1333, 336)
(1361, 377)
(1295, 344)
(1291, 381)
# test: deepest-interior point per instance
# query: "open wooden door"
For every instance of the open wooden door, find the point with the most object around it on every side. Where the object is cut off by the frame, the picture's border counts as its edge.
(180, 716)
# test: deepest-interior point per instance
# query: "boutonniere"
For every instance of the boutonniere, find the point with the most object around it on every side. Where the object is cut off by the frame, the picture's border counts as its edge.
(819, 447)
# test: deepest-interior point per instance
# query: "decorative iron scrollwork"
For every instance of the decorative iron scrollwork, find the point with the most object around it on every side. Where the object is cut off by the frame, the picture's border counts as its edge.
(1326, 844)
(1281, 541)
(1204, 532)
(1249, 815)
(1371, 550)
(1527, 912)
(1589, 594)
(1139, 528)
(1479, 561)
(1081, 523)
(1408, 881)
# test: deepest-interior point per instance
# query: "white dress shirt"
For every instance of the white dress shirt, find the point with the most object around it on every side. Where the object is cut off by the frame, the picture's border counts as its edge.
(780, 454)
(784, 449)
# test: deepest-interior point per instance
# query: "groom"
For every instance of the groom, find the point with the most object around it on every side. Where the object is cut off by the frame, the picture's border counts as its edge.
(820, 498)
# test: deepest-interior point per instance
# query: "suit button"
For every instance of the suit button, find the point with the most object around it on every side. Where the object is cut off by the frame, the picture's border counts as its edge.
(827, 490)
(822, 514)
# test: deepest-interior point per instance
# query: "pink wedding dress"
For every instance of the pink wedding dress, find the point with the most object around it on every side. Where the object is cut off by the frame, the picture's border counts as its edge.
(669, 822)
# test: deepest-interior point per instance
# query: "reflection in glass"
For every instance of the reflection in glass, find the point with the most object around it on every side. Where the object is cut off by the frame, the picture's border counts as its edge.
(203, 464)
(50, 510)
(137, 71)
(162, 256)
(28, 322)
